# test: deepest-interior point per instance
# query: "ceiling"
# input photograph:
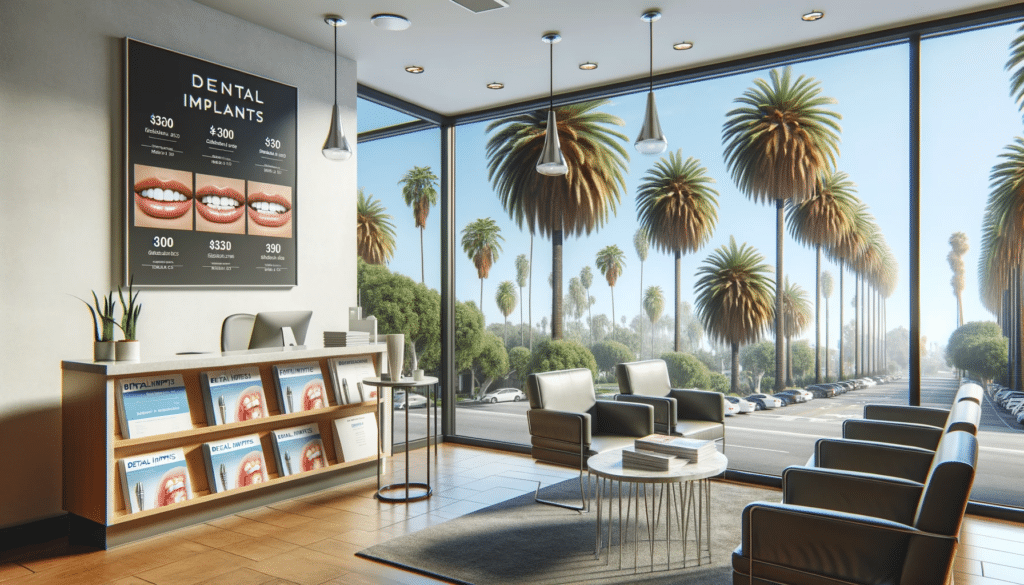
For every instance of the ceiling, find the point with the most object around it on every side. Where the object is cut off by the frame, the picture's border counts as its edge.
(462, 51)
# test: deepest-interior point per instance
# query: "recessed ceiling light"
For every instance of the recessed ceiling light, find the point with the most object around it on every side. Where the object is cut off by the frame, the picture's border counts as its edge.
(813, 15)
(495, 85)
(683, 46)
(588, 66)
(414, 69)
(391, 21)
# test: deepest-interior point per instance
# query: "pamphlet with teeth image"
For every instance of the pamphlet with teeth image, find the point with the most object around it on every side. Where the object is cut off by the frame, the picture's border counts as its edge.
(154, 480)
(233, 396)
(234, 463)
(300, 387)
(298, 449)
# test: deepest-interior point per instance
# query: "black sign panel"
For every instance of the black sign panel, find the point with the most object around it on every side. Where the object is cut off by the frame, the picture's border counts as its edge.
(211, 194)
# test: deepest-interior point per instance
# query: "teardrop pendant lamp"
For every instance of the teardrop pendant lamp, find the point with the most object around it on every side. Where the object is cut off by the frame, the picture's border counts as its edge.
(336, 146)
(651, 139)
(551, 161)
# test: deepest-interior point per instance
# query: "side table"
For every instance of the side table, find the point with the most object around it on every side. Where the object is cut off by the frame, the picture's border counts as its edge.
(430, 383)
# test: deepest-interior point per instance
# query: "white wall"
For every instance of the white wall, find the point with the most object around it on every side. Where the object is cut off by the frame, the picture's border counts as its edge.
(61, 218)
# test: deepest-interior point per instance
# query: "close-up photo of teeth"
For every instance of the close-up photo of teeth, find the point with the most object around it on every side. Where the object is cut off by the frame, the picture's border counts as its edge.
(267, 207)
(220, 204)
(162, 198)
(269, 210)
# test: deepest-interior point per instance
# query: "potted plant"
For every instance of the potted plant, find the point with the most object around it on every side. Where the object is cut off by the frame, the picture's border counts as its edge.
(128, 348)
(103, 322)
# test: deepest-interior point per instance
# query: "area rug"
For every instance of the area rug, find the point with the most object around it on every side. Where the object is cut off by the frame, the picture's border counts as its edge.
(519, 541)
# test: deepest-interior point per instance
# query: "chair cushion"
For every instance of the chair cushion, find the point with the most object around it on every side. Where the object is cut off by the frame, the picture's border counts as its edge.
(700, 429)
(948, 485)
(565, 390)
(649, 377)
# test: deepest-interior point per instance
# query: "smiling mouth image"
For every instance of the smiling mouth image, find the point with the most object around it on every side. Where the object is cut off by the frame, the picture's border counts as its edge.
(313, 457)
(251, 471)
(220, 204)
(161, 199)
(313, 396)
(250, 406)
(172, 488)
(269, 210)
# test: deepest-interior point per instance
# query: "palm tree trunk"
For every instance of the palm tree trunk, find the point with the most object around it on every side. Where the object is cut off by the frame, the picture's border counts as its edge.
(842, 324)
(612, 289)
(482, 300)
(423, 273)
(817, 314)
(556, 284)
(789, 360)
(678, 326)
(652, 339)
(641, 322)
(530, 292)
(780, 354)
(856, 326)
(521, 332)
(827, 356)
(734, 382)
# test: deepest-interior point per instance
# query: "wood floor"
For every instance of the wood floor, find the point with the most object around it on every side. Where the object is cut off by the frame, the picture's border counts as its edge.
(312, 540)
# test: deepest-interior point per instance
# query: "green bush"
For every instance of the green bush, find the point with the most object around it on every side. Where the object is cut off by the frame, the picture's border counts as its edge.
(686, 371)
(609, 353)
(718, 382)
(549, 356)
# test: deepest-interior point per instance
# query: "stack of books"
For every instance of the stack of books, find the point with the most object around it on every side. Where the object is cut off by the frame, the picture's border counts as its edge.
(345, 338)
(641, 459)
(693, 450)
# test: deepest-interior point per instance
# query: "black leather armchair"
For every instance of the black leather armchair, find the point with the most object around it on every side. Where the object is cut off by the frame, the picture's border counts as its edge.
(844, 527)
(935, 417)
(695, 414)
(964, 415)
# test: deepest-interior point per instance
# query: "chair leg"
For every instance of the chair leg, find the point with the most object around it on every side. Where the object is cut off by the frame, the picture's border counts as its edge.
(585, 502)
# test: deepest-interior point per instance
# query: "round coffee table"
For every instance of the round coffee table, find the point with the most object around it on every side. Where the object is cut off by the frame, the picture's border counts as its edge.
(685, 496)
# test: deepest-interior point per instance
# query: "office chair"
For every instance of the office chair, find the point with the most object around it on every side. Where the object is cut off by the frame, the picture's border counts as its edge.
(235, 331)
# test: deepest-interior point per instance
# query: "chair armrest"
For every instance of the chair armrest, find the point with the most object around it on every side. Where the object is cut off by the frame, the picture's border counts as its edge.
(871, 457)
(623, 418)
(699, 404)
(935, 417)
(884, 431)
(879, 496)
(664, 407)
(779, 539)
(559, 425)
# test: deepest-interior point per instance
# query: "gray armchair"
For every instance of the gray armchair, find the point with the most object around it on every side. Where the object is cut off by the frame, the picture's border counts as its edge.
(964, 415)
(568, 424)
(858, 528)
(696, 414)
(935, 417)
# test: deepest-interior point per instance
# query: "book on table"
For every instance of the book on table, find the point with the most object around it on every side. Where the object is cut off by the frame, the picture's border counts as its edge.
(154, 480)
(652, 460)
(300, 387)
(234, 463)
(347, 375)
(298, 449)
(690, 449)
(355, 437)
(233, 395)
(152, 406)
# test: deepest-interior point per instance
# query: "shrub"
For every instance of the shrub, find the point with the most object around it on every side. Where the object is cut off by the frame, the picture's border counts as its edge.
(550, 356)
(609, 353)
(686, 371)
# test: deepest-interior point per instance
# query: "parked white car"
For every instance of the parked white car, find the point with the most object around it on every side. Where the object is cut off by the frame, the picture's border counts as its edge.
(504, 395)
(764, 401)
(743, 406)
(731, 408)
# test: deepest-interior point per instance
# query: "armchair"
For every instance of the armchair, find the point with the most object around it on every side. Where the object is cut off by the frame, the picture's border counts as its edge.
(568, 424)
(935, 417)
(844, 527)
(696, 414)
(964, 415)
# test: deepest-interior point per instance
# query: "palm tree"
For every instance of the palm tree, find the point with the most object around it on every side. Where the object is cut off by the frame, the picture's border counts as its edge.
(375, 233)
(827, 285)
(734, 299)
(1017, 60)
(506, 299)
(587, 279)
(777, 143)
(958, 247)
(577, 203)
(611, 261)
(846, 252)
(481, 241)
(654, 304)
(642, 244)
(576, 298)
(419, 189)
(522, 271)
(820, 221)
(796, 311)
(676, 205)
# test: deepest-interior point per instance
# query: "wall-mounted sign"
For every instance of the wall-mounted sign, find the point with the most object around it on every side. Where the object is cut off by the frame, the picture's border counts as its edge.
(210, 196)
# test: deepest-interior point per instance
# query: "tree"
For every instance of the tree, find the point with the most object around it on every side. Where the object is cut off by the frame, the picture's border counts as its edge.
(519, 362)
(491, 361)
(980, 348)
(506, 299)
(554, 355)
(1016, 60)
(587, 279)
(420, 192)
(958, 247)
(827, 285)
(677, 207)
(481, 241)
(734, 299)
(758, 360)
(777, 144)
(375, 233)
(576, 299)
(576, 203)
(796, 309)
(611, 261)
(685, 371)
(654, 304)
(642, 245)
(522, 272)
(610, 353)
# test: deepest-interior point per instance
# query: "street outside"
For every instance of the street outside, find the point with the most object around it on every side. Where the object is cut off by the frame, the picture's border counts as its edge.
(768, 441)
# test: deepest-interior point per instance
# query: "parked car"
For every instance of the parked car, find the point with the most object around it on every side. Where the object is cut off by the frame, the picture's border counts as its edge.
(766, 402)
(1020, 417)
(731, 408)
(785, 399)
(744, 406)
(504, 395)
(821, 391)
(798, 395)
(415, 400)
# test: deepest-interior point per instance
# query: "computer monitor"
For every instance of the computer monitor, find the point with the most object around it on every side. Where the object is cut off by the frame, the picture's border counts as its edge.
(279, 329)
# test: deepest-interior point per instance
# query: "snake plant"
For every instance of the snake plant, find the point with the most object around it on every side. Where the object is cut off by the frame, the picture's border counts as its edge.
(129, 311)
(103, 320)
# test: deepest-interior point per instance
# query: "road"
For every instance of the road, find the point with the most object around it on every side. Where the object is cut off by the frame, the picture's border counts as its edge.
(768, 441)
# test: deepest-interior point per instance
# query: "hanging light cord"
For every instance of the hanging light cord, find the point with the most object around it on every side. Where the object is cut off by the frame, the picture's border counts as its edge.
(335, 65)
(651, 22)
(551, 71)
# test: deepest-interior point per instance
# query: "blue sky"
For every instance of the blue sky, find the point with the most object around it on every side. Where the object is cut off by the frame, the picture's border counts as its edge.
(967, 119)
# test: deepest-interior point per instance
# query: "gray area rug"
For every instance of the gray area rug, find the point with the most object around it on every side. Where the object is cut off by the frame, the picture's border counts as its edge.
(519, 541)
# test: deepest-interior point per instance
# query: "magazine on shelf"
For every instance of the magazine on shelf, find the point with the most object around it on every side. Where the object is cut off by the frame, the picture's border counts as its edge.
(643, 459)
(152, 406)
(234, 463)
(347, 375)
(298, 449)
(233, 395)
(691, 449)
(300, 387)
(355, 437)
(154, 480)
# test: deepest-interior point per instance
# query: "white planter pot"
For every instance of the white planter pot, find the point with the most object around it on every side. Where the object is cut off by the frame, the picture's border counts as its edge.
(103, 351)
(396, 354)
(128, 351)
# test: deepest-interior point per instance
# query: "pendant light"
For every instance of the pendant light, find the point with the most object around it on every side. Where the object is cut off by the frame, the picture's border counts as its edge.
(551, 162)
(651, 139)
(336, 146)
